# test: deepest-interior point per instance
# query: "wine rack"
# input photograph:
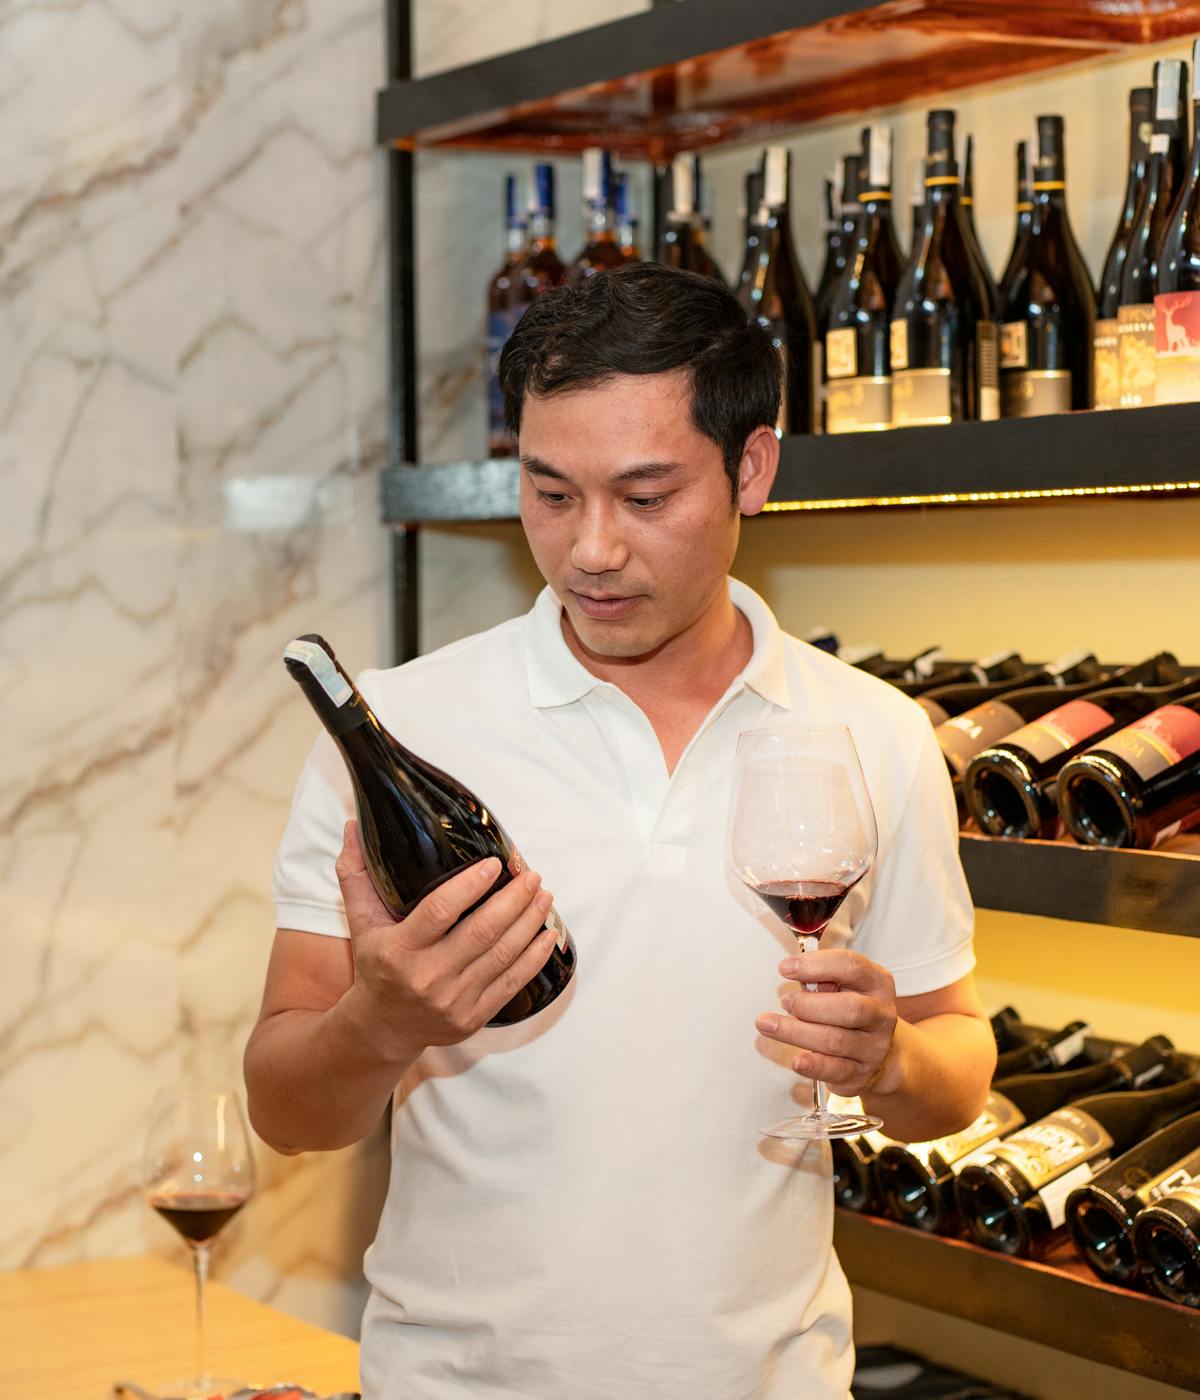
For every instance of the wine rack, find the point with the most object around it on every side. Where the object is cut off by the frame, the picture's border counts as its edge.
(1056, 1300)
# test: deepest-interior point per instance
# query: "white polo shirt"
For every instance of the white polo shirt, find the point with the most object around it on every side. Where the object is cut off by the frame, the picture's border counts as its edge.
(581, 1206)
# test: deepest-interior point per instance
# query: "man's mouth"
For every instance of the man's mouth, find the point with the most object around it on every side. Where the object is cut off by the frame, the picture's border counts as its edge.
(604, 606)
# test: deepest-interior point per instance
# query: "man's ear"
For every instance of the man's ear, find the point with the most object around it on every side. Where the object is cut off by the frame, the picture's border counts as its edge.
(756, 470)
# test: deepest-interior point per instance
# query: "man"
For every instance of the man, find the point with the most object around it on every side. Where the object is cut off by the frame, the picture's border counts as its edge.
(580, 1205)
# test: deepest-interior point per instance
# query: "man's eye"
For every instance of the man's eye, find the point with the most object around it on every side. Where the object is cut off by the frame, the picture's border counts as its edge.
(646, 502)
(552, 498)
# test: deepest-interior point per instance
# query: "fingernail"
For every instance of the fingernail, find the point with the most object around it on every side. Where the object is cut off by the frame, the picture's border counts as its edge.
(768, 1024)
(790, 968)
(545, 899)
(489, 868)
(532, 880)
(789, 1003)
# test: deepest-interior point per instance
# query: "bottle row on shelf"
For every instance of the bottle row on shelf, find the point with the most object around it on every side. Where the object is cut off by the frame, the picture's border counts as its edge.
(1104, 1146)
(892, 340)
(1109, 756)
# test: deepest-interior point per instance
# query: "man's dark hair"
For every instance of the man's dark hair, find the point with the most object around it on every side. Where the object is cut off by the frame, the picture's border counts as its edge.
(647, 319)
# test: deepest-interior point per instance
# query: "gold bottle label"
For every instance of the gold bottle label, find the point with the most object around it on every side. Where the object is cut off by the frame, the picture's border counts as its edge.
(899, 344)
(1014, 345)
(1107, 363)
(1135, 354)
(859, 405)
(841, 353)
(1177, 347)
(1030, 393)
(920, 397)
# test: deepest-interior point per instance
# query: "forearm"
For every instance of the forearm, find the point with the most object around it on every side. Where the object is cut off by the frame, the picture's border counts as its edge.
(936, 1077)
(314, 1079)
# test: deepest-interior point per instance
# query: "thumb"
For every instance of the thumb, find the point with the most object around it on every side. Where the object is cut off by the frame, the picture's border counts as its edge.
(364, 909)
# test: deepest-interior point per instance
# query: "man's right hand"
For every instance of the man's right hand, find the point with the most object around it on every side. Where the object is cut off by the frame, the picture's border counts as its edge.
(435, 977)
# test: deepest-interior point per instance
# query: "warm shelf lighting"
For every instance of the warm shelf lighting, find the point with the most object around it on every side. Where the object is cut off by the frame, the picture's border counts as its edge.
(959, 498)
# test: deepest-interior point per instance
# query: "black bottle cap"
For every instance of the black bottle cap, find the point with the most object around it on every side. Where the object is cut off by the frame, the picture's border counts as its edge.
(1145, 1062)
(1050, 170)
(941, 165)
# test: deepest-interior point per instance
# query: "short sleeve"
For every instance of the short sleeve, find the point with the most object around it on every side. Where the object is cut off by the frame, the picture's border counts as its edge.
(305, 886)
(920, 921)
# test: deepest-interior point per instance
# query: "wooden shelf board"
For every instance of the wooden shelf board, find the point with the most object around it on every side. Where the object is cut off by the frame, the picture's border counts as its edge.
(1056, 1301)
(1129, 452)
(685, 76)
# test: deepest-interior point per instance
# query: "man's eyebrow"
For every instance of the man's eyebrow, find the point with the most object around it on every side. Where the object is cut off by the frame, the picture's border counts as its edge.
(645, 471)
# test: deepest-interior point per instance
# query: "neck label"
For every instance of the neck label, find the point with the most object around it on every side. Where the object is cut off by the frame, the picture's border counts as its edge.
(326, 674)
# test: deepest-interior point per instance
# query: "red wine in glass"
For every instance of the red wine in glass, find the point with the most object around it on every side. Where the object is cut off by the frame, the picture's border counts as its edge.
(806, 906)
(199, 1216)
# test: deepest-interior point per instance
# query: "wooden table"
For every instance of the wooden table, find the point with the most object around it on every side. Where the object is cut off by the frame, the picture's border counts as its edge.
(68, 1333)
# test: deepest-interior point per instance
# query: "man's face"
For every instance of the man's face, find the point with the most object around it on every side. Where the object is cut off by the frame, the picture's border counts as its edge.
(627, 509)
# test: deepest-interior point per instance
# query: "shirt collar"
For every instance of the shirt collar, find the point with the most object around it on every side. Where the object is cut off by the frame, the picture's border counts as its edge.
(557, 677)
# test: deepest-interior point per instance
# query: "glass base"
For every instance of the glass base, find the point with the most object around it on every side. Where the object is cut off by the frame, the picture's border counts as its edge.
(806, 1127)
(187, 1388)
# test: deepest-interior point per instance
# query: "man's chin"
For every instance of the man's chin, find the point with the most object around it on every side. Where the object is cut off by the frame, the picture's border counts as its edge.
(620, 641)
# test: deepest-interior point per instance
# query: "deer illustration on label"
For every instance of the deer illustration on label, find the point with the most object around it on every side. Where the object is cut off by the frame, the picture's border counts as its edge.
(1177, 347)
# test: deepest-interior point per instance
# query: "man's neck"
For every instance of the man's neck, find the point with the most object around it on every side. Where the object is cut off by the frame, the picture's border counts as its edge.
(690, 671)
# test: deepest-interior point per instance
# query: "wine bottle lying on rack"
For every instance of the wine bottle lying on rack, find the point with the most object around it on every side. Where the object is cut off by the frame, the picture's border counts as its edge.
(944, 702)
(999, 666)
(1101, 1215)
(916, 1180)
(1012, 1195)
(1010, 787)
(1166, 1237)
(418, 826)
(1046, 1052)
(1141, 785)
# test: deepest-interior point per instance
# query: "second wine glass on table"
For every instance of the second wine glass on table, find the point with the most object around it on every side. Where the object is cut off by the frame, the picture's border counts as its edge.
(801, 835)
(198, 1172)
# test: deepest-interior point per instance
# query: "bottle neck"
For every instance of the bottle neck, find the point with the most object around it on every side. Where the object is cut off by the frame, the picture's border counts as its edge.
(601, 223)
(541, 231)
(515, 239)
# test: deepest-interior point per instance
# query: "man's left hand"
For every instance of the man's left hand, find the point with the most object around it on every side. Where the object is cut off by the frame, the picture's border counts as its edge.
(843, 1033)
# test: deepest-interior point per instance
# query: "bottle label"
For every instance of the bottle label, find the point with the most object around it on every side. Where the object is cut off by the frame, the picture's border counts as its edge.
(899, 345)
(499, 327)
(841, 353)
(1014, 347)
(859, 405)
(1030, 393)
(1189, 1194)
(1106, 364)
(1185, 1172)
(1054, 1194)
(920, 397)
(1043, 1151)
(327, 675)
(1177, 347)
(987, 345)
(937, 716)
(1062, 729)
(1158, 741)
(999, 1117)
(976, 729)
(1135, 354)
(516, 864)
(1067, 1049)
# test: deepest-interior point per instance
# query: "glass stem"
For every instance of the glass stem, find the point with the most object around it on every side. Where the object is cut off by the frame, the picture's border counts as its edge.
(200, 1253)
(820, 1109)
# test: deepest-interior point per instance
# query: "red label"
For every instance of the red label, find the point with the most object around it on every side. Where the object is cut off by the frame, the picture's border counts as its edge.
(1158, 741)
(1177, 323)
(1062, 729)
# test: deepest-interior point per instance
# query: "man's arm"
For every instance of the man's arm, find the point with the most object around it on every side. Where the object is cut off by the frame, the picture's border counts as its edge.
(343, 1020)
(922, 1063)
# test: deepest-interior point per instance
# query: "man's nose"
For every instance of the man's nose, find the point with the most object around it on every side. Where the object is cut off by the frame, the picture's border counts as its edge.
(598, 547)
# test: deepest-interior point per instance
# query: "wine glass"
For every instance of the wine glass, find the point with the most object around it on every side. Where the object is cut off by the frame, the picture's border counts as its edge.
(801, 835)
(198, 1172)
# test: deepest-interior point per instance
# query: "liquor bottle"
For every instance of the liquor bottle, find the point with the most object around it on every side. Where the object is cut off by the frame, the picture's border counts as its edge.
(916, 1180)
(1010, 787)
(541, 267)
(601, 246)
(1024, 207)
(776, 296)
(916, 185)
(1008, 1030)
(418, 826)
(1049, 1051)
(1166, 1238)
(945, 702)
(750, 233)
(996, 667)
(968, 204)
(1050, 313)
(966, 734)
(504, 311)
(1100, 1215)
(1108, 300)
(1139, 274)
(943, 339)
(683, 243)
(1141, 785)
(854, 1184)
(1177, 302)
(835, 253)
(858, 392)
(1011, 1195)
(851, 166)
(627, 225)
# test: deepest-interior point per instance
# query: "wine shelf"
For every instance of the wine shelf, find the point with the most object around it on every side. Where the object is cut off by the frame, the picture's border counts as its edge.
(1143, 451)
(1057, 1302)
(684, 76)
